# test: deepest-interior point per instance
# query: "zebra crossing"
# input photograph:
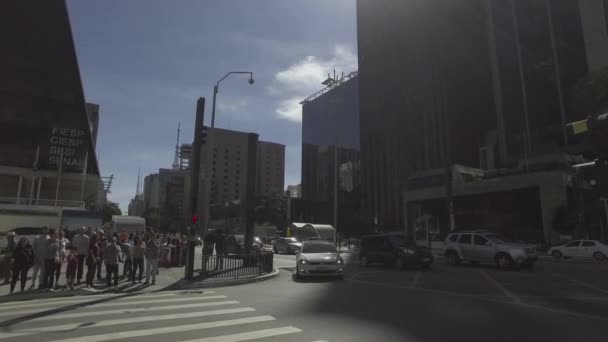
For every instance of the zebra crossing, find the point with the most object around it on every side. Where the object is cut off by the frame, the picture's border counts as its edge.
(202, 316)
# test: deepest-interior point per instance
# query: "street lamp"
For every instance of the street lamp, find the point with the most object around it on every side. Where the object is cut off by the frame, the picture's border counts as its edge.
(212, 142)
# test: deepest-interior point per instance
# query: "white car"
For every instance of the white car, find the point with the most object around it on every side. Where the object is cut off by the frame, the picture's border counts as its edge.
(580, 249)
(319, 258)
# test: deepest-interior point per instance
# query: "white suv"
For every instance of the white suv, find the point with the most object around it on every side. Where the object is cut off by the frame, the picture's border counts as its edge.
(485, 247)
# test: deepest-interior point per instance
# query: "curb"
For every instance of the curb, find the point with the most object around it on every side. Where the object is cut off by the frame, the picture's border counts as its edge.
(180, 285)
(188, 284)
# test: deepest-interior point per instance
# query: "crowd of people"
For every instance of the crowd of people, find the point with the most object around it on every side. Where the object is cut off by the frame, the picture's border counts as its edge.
(86, 253)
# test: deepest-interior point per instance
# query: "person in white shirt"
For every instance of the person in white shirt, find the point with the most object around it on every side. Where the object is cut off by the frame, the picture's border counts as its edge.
(81, 242)
(39, 254)
(63, 243)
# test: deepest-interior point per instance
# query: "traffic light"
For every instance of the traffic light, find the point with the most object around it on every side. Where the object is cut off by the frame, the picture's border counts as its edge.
(204, 132)
(194, 219)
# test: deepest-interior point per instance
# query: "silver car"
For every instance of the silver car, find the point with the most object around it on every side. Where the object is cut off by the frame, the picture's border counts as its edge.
(319, 258)
(488, 248)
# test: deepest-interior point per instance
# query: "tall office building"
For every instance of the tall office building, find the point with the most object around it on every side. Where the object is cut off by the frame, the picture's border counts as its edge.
(43, 119)
(270, 173)
(481, 83)
(330, 154)
(235, 165)
(93, 115)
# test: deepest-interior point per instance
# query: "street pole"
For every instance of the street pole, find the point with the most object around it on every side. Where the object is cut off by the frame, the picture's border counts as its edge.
(605, 200)
(209, 166)
(209, 154)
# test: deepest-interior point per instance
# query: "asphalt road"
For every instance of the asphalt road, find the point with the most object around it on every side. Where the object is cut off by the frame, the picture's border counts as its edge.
(553, 302)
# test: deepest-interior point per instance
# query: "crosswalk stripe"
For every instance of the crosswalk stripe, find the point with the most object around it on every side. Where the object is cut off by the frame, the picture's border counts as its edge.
(247, 336)
(78, 299)
(122, 302)
(133, 310)
(38, 302)
(166, 330)
(130, 320)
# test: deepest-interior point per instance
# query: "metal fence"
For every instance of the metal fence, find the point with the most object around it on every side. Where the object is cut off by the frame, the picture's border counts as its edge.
(236, 265)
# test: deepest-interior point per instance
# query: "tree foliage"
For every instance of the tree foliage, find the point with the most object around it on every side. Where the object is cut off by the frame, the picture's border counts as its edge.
(272, 209)
(590, 95)
(111, 208)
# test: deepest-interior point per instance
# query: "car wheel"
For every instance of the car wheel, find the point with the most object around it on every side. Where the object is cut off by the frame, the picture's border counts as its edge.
(275, 250)
(556, 254)
(363, 262)
(504, 261)
(400, 263)
(341, 277)
(599, 256)
(426, 266)
(453, 258)
(298, 273)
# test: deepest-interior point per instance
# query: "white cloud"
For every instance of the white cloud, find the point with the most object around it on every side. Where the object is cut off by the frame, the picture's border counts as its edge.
(233, 105)
(304, 77)
(290, 109)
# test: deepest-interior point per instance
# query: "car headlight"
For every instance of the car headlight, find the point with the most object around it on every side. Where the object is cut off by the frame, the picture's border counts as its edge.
(303, 262)
(339, 261)
(408, 251)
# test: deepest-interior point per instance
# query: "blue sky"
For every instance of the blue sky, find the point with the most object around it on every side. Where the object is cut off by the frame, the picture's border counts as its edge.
(146, 62)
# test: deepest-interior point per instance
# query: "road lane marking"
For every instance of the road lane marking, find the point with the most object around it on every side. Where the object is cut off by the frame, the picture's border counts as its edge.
(85, 298)
(166, 330)
(120, 302)
(110, 322)
(499, 286)
(487, 299)
(52, 316)
(583, 284)
(251, 335)
(416, 280)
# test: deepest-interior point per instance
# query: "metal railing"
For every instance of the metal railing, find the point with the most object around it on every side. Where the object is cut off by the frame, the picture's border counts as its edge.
(236, 265)
(44, 202)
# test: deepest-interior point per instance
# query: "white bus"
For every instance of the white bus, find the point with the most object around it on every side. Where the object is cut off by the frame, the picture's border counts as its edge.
(128, 224)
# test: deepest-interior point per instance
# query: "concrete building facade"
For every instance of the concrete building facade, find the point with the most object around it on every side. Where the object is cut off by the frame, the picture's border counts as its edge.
(270, 173)
(45, 136)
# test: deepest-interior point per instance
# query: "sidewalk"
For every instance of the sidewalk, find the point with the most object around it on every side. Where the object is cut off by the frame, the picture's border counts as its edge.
(165, 278)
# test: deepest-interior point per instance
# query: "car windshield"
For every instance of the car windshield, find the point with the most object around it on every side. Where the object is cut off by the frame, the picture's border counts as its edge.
(313, 247)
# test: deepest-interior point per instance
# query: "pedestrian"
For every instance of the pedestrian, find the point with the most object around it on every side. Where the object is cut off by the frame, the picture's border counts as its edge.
(103, 242)
(39, 247)
(63, 243)
(127, 253)
(51, 259)
(71, 259)
(139, 255)
(153, 247)
(22, 260)
(81, 241)
(220, 248)
(208, 246)
(111, 257)
(92, 260)
(8, 256)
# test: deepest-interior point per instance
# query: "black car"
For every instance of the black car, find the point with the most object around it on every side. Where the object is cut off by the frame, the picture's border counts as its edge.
(393, 249)
(288, 245)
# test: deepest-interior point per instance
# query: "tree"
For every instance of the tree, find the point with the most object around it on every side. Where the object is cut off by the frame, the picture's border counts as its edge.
(590, 95)
(109, 209)
(272, 209)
